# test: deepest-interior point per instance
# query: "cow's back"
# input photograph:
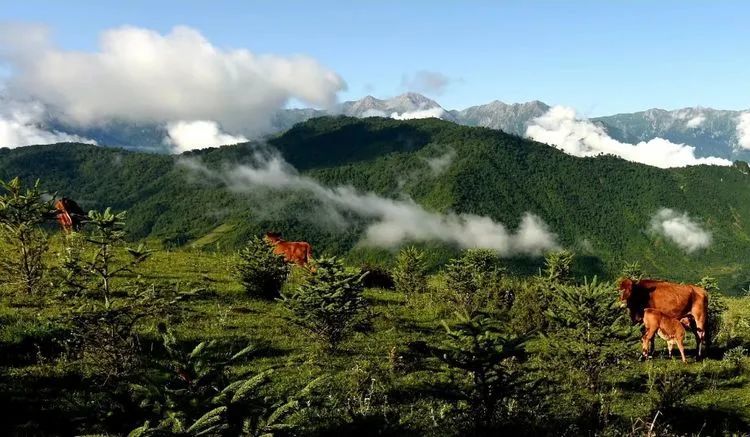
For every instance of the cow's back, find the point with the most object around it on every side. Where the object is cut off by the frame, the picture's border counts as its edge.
(674, 300)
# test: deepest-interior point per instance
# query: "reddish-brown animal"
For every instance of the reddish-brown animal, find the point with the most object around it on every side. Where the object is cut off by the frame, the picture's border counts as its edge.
(298, 252)
(671, 330)
(676, 301)
(69, 215)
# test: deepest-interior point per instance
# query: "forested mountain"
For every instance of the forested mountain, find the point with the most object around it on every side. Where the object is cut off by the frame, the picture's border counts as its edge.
(600, 207)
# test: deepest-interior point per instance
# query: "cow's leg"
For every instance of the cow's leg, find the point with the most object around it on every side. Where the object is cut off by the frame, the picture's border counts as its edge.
(647, 342)
(681, 347)
(670, 345)
(698, 312)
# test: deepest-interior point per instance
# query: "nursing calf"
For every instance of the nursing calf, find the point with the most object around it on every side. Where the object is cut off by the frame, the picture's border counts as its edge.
(669, 329)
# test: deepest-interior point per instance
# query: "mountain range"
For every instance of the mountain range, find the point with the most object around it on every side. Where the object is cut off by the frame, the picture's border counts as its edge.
(344, 183)
(712, 132)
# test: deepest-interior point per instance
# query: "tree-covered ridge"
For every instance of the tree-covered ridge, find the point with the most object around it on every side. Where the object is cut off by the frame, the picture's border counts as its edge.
(600, 206)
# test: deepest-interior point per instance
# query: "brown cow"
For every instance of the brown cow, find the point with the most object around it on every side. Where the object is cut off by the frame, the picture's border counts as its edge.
(69, 214)
(298, 252)
(671, 330)
(676, 301)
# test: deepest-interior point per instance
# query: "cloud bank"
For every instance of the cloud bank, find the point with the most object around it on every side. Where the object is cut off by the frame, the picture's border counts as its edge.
(392, 222)
(419, 113)
(141, 75)
(199, 134)
(560, 127)
(680, 229)
(743, 131)
(20, 125)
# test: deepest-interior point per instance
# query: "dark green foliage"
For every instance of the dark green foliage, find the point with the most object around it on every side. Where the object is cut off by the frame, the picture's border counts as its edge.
(529, 306)
(21, 214)
(587, 335)
(474, 281)
(103, 257)
(716, 309)
(557, 266)
(489, 359)
(669, 386)
(261, 271)
(410, 272)
(329, 303)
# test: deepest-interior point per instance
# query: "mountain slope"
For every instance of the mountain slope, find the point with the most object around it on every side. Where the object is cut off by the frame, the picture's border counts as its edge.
(600, 207)
(514, 118)
(712, 132)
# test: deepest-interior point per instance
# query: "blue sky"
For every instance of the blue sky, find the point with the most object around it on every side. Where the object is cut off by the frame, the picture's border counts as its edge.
(599, 57)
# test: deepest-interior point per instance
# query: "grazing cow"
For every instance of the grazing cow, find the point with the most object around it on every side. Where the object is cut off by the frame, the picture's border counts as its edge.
(298, 252)
(69, 215)
(669, 329)
(675, 301)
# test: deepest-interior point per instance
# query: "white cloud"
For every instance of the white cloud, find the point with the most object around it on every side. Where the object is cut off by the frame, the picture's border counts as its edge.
(560, 127)
(20, 126)
(189, 135)
(428, 82)
(141, 75)
(392, 221)
(743, 130)
(419, 113)
(696, 121)
(440, 163)
(680, 229)
(373, 113)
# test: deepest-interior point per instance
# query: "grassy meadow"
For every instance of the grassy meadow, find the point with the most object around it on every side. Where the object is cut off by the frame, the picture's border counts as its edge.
(387, 377)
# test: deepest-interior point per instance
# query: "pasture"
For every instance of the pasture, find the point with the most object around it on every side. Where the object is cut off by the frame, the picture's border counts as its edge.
(388, 376)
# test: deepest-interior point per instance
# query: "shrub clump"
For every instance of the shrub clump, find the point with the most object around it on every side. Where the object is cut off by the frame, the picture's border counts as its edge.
(474, 281)
(329, 303)
(261, 271)
(410, 273)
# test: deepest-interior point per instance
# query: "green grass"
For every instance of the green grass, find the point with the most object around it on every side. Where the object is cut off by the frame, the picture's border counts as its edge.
(35, 377)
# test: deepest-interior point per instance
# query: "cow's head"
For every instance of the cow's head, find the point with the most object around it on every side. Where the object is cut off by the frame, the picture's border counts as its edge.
(629, 301)
(273, 237)
(626, 289)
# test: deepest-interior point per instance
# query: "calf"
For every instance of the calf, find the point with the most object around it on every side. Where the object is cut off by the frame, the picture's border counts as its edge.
(669, 329)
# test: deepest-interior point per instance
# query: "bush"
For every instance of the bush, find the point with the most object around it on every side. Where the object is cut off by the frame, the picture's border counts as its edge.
(717, 306)
(261, 271)
(377, 277)
(557, 266)
(474, 281)
(21, 214)
(529, 307)
(329, 304)
(410, 273)
(478, 347)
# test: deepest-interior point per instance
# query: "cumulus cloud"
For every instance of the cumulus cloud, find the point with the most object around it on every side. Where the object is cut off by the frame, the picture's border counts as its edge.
(560, 127)
(392, 222)
(743, 130)
(695, 121)
(189, 135)
(419, 113)
(141, 75)
(680, 229)
(427, 82)
(20, 125)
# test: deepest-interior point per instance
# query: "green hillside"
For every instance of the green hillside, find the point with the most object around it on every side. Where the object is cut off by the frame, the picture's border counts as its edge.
(600, 207)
